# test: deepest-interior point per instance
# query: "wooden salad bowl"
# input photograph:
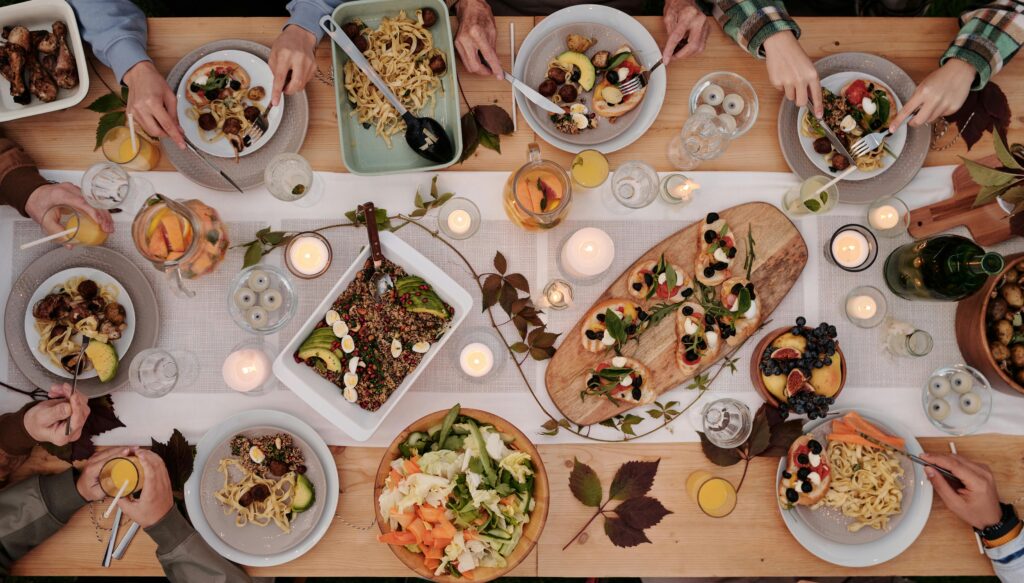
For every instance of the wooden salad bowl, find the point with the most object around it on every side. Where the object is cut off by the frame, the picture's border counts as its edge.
(755, 369)
(972, 332)
(532, 530)
(780, 257)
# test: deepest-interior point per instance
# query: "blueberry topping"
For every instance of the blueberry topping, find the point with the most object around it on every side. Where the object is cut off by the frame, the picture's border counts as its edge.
(687, 310)
(636, 393)
(787, 475)
(807, 487)
(802, 473)
(712, 217)
(791, 495)
(737, 288)
(709, 272)
(710, 236)
(814, 446)
(802, 459)
(600, 317)
(638, 286)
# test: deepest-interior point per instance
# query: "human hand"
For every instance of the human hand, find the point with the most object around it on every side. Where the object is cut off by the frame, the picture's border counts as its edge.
(46, 197)
(790, 69)
(684, 22)
(477, 37)
(292, 61)
(977, 503)
(941, 93)
(89, 480)
(152, 103)
(45, 422)
(156, 498)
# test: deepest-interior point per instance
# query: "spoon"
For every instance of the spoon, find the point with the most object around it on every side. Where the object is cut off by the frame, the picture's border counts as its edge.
(423, 134)
(381, 281)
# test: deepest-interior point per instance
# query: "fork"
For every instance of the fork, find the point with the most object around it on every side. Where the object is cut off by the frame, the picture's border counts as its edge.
(639, 81)
(872, 141)
(259, 126)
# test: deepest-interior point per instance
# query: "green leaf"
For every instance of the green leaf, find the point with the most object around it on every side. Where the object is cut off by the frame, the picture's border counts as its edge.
(444, 198)
(628, 422)
(623, 535)
(812, 205)
(634, 478)
(418, 201)
(986, 176)
(353, 217)
(108, 121)
(743, 302)
(615, 327)
(584, 484)
(470, 136)
(642, 512)
(107, 103)
(1003, 153)
(550, 427)
(519, 347)
(433, 187)
(253, 254)
(824, 196)
(717, 455)
(490, 141)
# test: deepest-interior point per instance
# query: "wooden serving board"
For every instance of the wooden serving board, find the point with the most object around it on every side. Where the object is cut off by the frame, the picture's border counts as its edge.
(988, 224)
(781, 255)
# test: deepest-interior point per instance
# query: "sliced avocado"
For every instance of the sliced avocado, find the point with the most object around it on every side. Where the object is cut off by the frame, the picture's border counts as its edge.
(587, 72)
(422, 301)
(104, 359)
(322, 333)
(304, 494)
(330, 359)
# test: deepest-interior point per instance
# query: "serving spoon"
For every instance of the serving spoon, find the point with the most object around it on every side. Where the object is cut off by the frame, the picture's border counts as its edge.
(380, 280)
(424, 135)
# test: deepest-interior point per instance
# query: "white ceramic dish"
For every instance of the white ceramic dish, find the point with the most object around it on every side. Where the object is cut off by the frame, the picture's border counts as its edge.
(39, 15)
(959, 422)
(58, 279)
(895, 142)
(263, 546)
(260, 75)
(324, 396)
(825, 535)
(599, 22)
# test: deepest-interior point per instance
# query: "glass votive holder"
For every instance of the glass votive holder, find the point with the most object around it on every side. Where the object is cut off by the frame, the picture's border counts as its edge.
(635, 184)
(558, 295)
(865, 306)
(479, 354)
(852, 248)
(889, 217)
(308, 255)
(678, 189)
(247, 368)
(459, 218)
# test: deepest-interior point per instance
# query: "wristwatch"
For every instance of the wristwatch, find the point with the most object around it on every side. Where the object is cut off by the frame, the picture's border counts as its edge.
(1007, 523)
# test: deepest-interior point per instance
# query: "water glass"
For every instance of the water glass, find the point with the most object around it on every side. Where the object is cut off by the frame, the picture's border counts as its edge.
(703, 137)
(906, 341)
(289, 177)
(106, 185)
(155, 372)
(727, 422)
(810, 198)
(635, 184)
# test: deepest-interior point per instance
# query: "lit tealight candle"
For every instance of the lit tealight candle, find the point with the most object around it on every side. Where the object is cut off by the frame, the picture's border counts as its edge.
(850, 249)
(308, 255)
(459, 222)
(246, 369)
(861, 307)
(558, 294)
(884, 217)
(476, 359)
(685, 190)
(589, 252)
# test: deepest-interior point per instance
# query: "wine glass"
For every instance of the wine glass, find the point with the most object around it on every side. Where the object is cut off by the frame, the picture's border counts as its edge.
(155, 372)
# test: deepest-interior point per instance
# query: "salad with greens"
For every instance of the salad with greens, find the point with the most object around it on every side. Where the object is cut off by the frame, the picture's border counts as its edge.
(460, 494)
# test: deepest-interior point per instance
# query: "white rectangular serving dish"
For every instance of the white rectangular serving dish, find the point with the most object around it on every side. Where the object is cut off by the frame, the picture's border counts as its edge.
(39, 15)
(323, 395)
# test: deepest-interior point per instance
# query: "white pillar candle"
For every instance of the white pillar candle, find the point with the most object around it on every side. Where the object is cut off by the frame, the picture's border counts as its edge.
(850, 249)
(308, 255)
(684, 190)
(476, 359)
(588, 252)
(884, 217)
(459, 221)
(861, 307)
(246, 369)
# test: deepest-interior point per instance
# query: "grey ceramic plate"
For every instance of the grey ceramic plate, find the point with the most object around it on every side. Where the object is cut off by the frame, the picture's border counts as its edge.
(900, 172)
(147, 313)
(248, 171)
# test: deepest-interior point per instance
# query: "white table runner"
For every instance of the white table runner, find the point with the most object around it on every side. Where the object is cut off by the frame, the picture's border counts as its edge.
(876, 381)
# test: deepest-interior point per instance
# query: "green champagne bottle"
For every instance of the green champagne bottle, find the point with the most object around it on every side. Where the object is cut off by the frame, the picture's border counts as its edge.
(945, 268)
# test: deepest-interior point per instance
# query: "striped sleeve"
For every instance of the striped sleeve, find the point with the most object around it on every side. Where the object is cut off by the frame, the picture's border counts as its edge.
(1008, 560)
(751, 22)
(989, 38)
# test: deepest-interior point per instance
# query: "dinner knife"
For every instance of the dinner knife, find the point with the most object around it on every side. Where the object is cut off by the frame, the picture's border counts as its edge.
(108, 554)
(74, 383)
(534, 96)
(953, 481)
(125, 541)
(836, 143)
(211, 165)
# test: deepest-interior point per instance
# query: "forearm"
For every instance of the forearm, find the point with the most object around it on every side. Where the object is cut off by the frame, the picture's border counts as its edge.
(185, 557)
(989, 38)
(19, 177)
(1008, 559)
(15, 442)
(31, 511)
(307, 14)
(116, 30)
(751, 22)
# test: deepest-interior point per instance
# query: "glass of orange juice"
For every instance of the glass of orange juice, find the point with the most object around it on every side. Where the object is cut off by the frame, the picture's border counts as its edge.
(80, 228)
(715, 496)
(589, 169)
(121, 472)
(537, 196)
(143, 155)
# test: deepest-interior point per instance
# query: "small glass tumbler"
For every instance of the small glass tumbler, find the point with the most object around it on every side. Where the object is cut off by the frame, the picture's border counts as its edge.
(703, 137)
(155, 372)
(635, 184)
(852, 248)
(727, 422)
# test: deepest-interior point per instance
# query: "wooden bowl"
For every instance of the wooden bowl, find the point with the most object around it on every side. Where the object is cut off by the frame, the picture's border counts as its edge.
(972, 335)
(532, 530)
(755, 370)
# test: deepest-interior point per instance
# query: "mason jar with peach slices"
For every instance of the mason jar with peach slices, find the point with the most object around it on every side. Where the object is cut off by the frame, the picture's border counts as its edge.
(187, 239)
(538, 195)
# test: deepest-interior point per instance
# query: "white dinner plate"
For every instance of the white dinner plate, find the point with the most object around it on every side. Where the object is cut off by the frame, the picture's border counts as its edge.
(57, 280)
(260, 546)
(823, 531)
(260, 75)
(895, 142)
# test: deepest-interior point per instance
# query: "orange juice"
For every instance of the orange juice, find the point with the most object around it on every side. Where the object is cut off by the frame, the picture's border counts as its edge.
(118, 471)
(589, 169)
(117, 147)
(86, 232)
(717, 497)
(695, 481)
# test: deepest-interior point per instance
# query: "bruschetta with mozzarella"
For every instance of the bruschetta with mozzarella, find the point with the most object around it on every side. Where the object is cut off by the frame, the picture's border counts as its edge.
(660, 280)
(621, 380)
(595, 335)
(697, 338)
(717, 251)
(807, 476)
(738, 296)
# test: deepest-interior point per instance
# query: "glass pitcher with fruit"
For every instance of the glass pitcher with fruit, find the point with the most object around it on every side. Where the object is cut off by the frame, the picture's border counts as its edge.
(184, 239)
(538, 195)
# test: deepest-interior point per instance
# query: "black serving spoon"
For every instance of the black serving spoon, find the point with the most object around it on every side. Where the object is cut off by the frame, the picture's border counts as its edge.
(424, 135)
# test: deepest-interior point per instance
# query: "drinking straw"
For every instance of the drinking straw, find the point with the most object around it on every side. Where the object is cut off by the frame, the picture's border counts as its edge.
(832, 182)
(124, 486)
(63, 233)
(512, 51)
(977, 537)
(131, 135)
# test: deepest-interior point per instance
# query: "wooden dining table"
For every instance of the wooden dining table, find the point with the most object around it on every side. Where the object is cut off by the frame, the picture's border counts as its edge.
(752, 541)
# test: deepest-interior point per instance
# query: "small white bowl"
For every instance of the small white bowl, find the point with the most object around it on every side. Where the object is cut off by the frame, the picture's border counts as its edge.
(280, 281)
(730, 83)
(958, 422)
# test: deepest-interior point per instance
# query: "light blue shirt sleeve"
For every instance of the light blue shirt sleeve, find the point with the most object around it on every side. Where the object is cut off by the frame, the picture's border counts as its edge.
(307, 14)
(116, 30)
(1008, 560)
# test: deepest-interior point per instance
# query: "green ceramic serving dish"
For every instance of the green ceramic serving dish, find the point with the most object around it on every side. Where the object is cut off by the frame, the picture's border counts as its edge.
(362, 151)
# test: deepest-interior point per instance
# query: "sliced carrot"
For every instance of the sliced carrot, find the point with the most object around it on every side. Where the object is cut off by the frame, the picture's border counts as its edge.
(410, 467)
(403, 518)
(431, 514)
(434, 552)
(852, 439)
(862, 425)
(840, 426)
(395, 478)
(469, 534)
(468, 575)
(441, 542)
(418, 529)
(507, 500)
(397, 537)
(428, 537)
(445, 529)
(432, 564)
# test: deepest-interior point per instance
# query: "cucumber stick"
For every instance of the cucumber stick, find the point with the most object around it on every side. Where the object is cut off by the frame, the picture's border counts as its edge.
(481, 445)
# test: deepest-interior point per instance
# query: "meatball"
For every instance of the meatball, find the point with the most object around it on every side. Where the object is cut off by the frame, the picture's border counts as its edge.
(557, 75)
(79, 311)
(251, 113)
(351, 30)
(601, 59)
(437, 65)
(96, 304)
(547, 88)
(361, 43)
(429, 16)
(114, 313)
(50, 307)
(1017, 355)
(256, 93)
(1003, 331)
(568, 93)
(1000, 351)
(998, 309)
(278, 468)
(1013, 295)
(232, 125)
(88, 289)
(839, 162)
(207, 122)
(822, 145)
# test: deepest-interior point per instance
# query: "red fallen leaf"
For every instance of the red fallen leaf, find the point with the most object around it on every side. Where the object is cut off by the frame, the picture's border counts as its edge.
(982, 112)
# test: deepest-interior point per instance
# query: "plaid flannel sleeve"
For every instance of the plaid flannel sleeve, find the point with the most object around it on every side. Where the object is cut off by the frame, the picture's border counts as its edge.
(751, 22)
(989, 38)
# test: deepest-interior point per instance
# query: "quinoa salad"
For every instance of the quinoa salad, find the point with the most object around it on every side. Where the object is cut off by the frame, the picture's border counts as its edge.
(367, 346)
(271, 454)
